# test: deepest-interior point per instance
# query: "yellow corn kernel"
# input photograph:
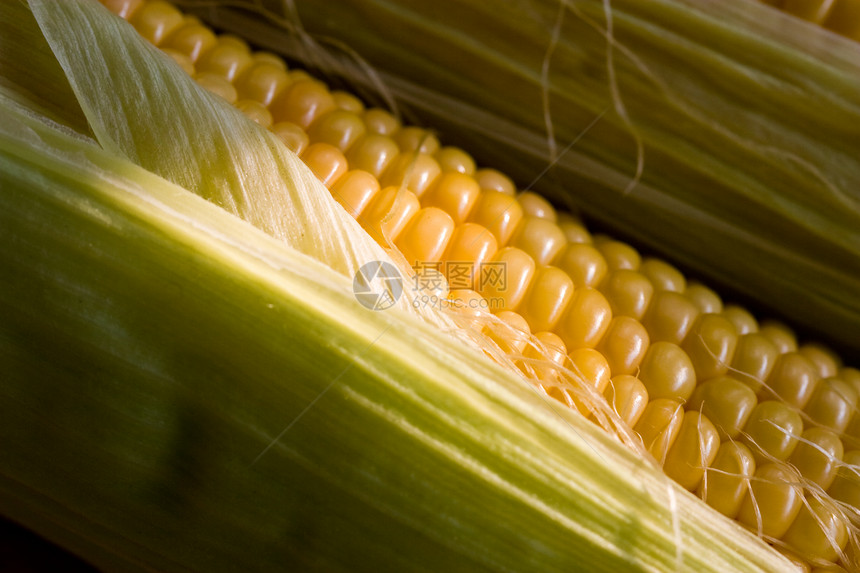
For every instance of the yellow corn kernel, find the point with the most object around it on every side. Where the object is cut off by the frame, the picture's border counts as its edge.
(704, 298)
(659, 426)
(710, 344)
(774, 501)
(411, 138)
(832, 405)
(192, 39)
(594, 370)
(825, 360)
(339, 128)
(624, 344)
(498, 212)
(726, 482)
(574, 230)
(781, 336)
(744, 322)
(293, 136)
(586, 320)
(417, 171)
(123, 8)
(670, 316)
(793, 379)
(426, 236)
(818, 532)
(846, 485)
(373, 152)
(628, 291)
(263, 81)
(217, 85)
(302, 102)
(456, 160)
(184, 61)
(754, 359)
(355, 191)
(818, 456)
(389, 213)
(518, 269)
(772, 430)
(727, 402)
(583, 263)
(380, 121)
(469, 306)
(326, 161)
(155, 20)
(663, 275)
(228, 59)
(812, 10)
(547, 298)
(667, 372)
(536, 206)
(256, 112)
(540, 238)
(693, 451)
(454, 193)
(618, 255)
(628, 397)
(511, 334)
(269, 58)
(493, 180)
(844, 18)
(470, 247)
(545, 359)
(347, 102)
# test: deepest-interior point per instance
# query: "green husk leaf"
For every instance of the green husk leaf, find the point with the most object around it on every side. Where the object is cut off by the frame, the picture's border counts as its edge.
(746, 118)
(182, 392)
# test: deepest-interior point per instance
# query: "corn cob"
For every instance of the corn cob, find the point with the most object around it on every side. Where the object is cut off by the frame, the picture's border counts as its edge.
(629, 285)
(667, 372)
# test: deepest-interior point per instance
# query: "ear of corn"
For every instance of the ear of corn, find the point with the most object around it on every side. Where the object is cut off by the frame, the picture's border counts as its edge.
(744, 114)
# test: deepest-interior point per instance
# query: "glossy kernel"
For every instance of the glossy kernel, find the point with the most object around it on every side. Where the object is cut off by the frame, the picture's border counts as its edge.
(470, 247)
(374, 153)
(594, 370)
(586, 320)
(618, 255)
(518, 270)
(511, 333)
(355, 190)
(545, 356)
(772, 430)
(628, 397)
(846, 486)
(624, 344)
(583, 263)
(826, 361)
(727, 402)
(498, 212)
(818, 456)
(123, 8)
(778, 497)
(217, 85)
(426, 236)
(663, 275)
(293, 136)
(454, 159)
(182, 60)
(782, 336)
(629, 292)
(256, 112)
(228, 59)
(844, 18)
(347, 102)
(192, 39)
(540, 238)
(269, 58)
(754, 359)
(727, 480)
(493, 180)
(155, 20)
(302, 102)
(812, 10)
(326, 161)
(547, 298)
(670, 316)
(339, 128)
(417, 171)
(659, 425)
(411, 138)
(667, 372)
(744, 322)
(818, 532)
(693, 451)
(573, 229)
(454, 193)
(832, 405)
(536, 206)
(704, 298)
(380, 121)
(389, 213)
(262, 82)
(793, 379)
(711, 344)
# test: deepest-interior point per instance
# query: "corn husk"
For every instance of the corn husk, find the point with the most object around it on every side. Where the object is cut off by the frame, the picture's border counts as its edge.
(185, 390)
